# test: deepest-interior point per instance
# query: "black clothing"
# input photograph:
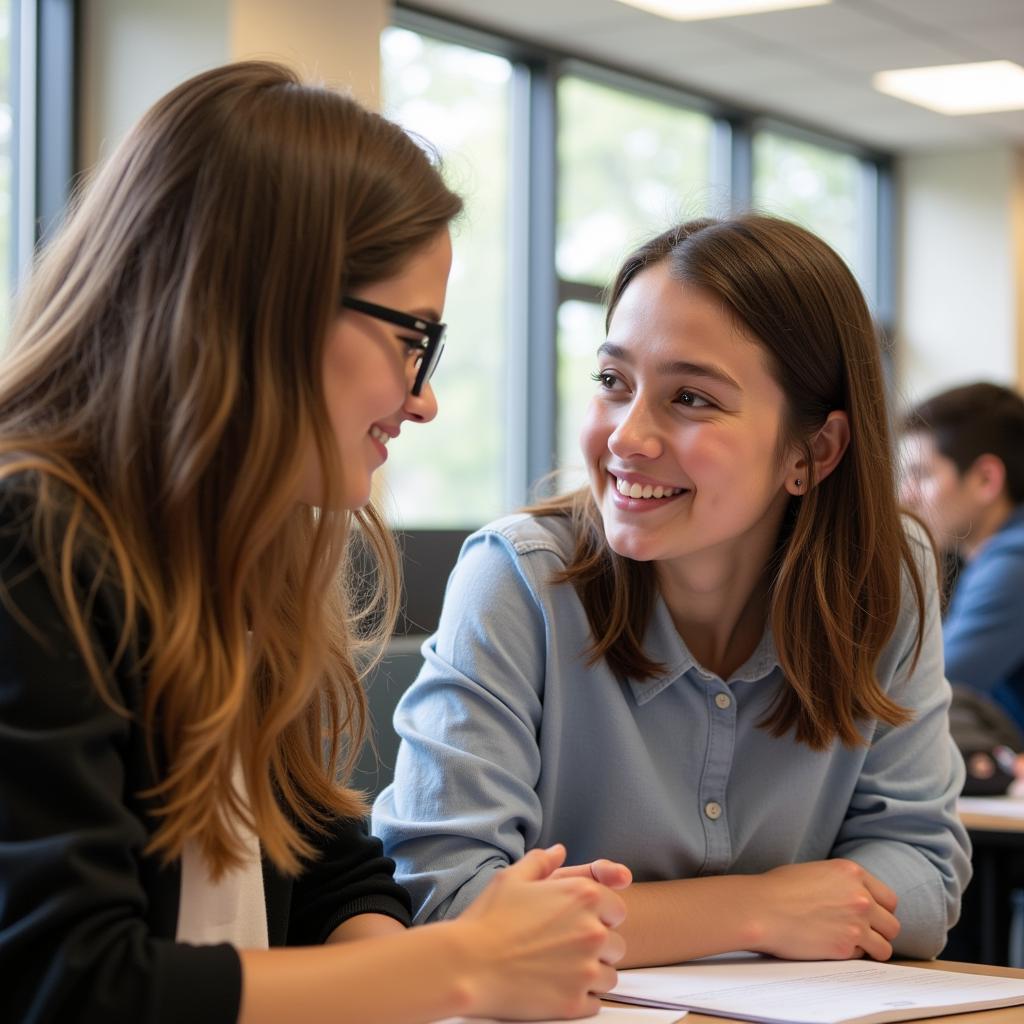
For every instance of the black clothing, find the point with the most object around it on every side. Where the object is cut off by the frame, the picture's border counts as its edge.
(87, 920)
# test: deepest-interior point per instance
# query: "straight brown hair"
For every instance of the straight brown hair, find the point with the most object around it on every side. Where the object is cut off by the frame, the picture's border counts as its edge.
(160, 397)
(843, 557)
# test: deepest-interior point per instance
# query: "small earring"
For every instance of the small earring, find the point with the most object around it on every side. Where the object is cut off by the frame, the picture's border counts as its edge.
(798, 483)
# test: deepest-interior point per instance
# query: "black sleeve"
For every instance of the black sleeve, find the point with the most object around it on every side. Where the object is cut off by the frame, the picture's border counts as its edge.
(75, 946)
(351, 876)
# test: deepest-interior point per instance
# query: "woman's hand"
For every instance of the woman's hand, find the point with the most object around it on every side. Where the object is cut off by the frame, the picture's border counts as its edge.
(608, 872)
(541, 950)
(824, 910)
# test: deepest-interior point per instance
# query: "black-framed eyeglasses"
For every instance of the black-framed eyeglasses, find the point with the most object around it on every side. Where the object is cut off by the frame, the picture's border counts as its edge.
(430, 346)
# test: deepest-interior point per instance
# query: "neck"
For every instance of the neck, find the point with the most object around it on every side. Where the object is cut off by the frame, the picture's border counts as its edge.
(718, 599)
(989, 521)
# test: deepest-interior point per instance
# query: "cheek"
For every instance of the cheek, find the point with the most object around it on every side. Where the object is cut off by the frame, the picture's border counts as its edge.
(594, 432)
(937, 492)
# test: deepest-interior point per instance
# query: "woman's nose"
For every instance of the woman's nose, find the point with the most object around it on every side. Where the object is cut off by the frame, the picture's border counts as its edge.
(421, 408)
(636, 433)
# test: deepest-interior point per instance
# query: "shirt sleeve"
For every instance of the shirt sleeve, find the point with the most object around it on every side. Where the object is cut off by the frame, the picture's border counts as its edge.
(463, 803)
(982, 631)
(351, 876)
(74, 942)
(902, 823)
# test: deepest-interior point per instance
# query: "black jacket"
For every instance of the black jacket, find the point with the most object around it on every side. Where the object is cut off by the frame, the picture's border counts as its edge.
(87, 921)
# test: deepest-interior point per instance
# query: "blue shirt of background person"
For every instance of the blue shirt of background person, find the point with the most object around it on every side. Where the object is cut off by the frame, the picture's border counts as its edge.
(963, 455)
(720, 662)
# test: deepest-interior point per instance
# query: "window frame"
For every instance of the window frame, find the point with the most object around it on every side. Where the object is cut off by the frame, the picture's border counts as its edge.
(45, 49)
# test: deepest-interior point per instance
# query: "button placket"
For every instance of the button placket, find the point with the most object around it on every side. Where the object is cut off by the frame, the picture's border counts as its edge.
(721, 712)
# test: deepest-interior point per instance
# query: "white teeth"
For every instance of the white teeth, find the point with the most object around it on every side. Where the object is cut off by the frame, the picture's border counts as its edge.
(645, 490)
(378, 435)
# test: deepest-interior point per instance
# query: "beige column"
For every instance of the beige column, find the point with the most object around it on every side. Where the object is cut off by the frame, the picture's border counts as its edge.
(333, 41)
(960, 306)
(133, 51)
(1017, 230)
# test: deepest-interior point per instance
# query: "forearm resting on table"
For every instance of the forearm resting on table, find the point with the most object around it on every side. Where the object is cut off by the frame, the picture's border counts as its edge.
(669, 922)
(819, 910)
(326, 984)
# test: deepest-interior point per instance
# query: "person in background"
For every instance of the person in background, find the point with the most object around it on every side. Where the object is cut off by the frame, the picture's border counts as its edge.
(720, 662)
(962, 456)
(240, 315)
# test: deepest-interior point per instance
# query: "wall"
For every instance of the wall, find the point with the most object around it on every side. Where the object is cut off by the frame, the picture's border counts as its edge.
(960, 294)
(133, 51)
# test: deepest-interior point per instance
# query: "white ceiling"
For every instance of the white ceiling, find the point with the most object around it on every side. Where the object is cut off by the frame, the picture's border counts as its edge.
(812, 65)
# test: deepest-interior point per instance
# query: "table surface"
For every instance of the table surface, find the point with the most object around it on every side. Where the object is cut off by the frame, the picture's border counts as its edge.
(990, 820)
(1004, 1015)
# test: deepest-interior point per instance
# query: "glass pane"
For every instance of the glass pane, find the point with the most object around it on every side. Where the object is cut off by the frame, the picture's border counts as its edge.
(450, 473)
(580, 332)
(816, 187)
(629, 167)
(6, 169)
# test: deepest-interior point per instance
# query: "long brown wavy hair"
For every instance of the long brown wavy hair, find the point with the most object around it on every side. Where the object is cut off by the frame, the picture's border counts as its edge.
(161, 394)
(837, 575)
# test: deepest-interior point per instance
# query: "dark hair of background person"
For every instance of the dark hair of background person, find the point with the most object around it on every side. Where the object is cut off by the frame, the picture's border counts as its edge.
(973, 420)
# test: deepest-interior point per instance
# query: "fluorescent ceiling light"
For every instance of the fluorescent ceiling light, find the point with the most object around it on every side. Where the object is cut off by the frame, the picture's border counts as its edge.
(697, 10)
(958, 88)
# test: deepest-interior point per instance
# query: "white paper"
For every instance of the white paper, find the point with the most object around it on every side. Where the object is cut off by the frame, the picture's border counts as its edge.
(611, 1014)
(1002, 806)
(757, 988)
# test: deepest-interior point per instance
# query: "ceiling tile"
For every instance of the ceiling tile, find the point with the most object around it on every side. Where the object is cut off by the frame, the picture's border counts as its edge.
(813, 65)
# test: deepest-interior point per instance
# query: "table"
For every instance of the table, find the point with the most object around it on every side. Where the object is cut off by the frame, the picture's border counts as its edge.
(1005, 1015)
(998, 840)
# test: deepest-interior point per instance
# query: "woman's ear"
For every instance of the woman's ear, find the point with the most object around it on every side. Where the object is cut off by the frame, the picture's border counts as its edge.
(828, 446)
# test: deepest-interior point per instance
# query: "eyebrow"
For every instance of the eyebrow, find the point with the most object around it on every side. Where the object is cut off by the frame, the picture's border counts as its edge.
(426, 313)
(680, 366)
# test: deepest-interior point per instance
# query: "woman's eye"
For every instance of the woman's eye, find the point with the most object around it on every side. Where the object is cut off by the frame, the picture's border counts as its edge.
(693, 401)
(605, 379)
(413, 349)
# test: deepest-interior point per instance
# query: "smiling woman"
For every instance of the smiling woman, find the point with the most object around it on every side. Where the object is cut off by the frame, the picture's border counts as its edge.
(720, 662)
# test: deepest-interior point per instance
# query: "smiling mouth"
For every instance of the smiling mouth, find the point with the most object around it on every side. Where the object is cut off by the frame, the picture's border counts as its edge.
(378, 435)
(645, 491)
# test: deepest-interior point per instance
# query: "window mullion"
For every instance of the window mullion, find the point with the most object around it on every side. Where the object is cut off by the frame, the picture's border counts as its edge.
(533, 295)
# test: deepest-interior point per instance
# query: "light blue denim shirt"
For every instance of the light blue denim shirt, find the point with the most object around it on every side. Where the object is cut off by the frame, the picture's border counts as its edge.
(510, 741)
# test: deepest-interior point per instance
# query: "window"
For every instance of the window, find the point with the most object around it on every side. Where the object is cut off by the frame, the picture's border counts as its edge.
(37, 130)
(565, 167)
(825, 190)
(580, 332)
(7, 156)
(453, 473)
(628, 167)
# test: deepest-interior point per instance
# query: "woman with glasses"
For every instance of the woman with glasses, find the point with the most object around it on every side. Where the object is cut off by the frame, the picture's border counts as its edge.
(208, 366)
(719, 663)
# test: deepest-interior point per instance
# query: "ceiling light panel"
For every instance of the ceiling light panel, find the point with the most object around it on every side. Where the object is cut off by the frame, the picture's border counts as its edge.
(958, 89)
(699, 10)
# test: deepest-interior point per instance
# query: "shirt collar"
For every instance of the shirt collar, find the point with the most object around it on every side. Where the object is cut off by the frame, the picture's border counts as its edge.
(663, 644)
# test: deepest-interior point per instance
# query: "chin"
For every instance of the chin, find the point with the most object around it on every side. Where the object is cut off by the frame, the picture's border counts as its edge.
(356, 503)
(628, 545)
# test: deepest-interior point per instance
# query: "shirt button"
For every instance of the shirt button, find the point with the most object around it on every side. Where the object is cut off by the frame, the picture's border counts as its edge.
(723, 700)
(713, 810)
